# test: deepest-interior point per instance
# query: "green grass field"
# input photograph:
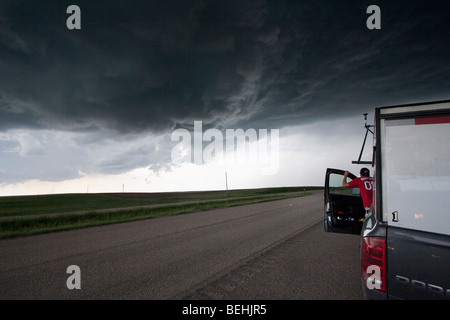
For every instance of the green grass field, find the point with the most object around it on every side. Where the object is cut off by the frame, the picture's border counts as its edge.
(24, 215)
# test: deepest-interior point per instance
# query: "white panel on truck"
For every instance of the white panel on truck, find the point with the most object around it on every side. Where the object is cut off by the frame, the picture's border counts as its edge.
(416, 173)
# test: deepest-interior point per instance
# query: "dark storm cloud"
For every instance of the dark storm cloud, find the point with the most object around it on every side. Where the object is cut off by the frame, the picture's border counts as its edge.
(139, 66)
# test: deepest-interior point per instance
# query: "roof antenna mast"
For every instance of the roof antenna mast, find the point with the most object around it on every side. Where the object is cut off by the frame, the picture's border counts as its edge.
(364, 142)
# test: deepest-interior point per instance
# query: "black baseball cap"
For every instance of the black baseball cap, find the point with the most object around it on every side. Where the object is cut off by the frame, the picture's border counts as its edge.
(365, 172)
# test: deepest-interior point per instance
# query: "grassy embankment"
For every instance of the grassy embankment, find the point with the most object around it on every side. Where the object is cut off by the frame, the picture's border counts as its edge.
(27, 215)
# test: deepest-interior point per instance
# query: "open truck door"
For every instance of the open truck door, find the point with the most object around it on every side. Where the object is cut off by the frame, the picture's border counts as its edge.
(343, 207)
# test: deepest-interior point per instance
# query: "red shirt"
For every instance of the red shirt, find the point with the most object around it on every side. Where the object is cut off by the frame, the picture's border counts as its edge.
(365, 185)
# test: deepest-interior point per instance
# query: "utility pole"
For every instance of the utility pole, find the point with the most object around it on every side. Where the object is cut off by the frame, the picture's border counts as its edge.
(226, 184)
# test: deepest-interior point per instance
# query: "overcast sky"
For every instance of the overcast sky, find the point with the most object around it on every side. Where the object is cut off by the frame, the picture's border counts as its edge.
(94, 109)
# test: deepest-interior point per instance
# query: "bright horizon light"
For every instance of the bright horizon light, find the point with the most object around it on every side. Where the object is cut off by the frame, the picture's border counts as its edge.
(304, 155)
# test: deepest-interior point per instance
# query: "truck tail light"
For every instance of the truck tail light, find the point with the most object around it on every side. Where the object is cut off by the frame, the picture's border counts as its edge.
(373, 263)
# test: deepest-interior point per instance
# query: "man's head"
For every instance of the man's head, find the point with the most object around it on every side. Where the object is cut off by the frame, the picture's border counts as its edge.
(364, 172)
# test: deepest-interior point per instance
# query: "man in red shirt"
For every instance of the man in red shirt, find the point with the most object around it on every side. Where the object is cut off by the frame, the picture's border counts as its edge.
(365, 184)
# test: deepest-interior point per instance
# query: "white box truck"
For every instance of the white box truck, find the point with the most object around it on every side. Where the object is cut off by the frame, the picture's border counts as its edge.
(405, 241)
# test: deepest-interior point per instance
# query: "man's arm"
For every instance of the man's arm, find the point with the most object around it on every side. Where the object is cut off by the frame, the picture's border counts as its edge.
(344, 181)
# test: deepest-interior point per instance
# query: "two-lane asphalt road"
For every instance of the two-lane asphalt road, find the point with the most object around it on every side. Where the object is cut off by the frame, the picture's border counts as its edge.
(271, 250)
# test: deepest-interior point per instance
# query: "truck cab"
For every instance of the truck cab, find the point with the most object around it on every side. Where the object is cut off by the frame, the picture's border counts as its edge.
(405, 242)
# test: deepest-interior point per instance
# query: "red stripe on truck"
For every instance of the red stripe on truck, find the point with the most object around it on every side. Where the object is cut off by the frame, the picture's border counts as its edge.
(433, 120)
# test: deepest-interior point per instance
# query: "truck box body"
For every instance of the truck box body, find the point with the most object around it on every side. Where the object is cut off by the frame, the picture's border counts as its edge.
(405, 244)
